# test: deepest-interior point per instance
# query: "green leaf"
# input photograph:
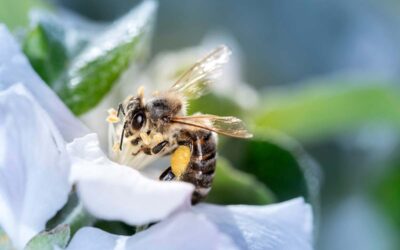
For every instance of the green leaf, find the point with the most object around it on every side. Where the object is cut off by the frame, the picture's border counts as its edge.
(216, 105)
(82, 63)
(386, 193)
(232, 186)
(281, 164)
(59, 236)
(324, 108)
(73, 214)
(5, 242)
(44, 45)
(93, 73)
(115, 227)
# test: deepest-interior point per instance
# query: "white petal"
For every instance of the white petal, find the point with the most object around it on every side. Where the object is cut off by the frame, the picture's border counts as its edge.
(34, 167)
(183, 231)
(89, 238)
(116, 192)
(285, 226)
(15, 68)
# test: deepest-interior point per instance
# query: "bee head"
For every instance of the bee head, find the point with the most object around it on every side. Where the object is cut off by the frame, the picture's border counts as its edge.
(153, 115)
(136, 112)
(161, 109)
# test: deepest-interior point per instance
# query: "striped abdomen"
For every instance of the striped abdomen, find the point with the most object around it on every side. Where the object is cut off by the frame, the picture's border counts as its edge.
(201, 168)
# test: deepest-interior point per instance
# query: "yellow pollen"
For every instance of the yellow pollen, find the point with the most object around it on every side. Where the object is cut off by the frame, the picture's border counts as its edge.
(145, 138)
(112, 119)
(112, 116)
(157, 138)
(115, 147)
(180, 160)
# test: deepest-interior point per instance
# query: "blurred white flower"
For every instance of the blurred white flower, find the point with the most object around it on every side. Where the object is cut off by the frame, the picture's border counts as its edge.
(37, 170)
(34, 166)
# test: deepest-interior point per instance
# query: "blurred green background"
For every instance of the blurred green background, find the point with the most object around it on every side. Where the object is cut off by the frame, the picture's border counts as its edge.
(328, 117)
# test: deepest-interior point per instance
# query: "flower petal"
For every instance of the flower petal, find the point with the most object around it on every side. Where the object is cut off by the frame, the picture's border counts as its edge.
(287, 225)
(15, 68)
(183, 231)
(34, 167)
(116, 192)
(89, 238)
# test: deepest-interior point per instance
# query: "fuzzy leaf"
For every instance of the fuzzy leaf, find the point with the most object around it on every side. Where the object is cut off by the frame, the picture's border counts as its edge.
(216, 105)
(82, 68)
(231, 186)
(93, 73)
(47, 240)
(281, 164)
(5, 242)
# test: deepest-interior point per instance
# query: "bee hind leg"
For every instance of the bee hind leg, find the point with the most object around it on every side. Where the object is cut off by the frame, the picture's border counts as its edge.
(167, 175)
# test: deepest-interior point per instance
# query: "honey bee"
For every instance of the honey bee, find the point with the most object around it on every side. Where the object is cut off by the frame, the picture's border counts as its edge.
(160, 127)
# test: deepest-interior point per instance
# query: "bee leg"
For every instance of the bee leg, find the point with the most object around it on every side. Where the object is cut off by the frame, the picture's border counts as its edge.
(122, 136)
(167, 175)
(180, 159)
(120, 110)
(157, 149)
(137, 152)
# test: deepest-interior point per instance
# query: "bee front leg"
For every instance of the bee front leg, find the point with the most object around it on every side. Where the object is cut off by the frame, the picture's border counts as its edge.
(157, 149)
(122, 136)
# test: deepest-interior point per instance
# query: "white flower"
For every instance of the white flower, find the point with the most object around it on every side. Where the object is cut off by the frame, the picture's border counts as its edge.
(34, 166)
(36, 175)
(182, 231)
(116, 192)
(287, 225)
(282, 226)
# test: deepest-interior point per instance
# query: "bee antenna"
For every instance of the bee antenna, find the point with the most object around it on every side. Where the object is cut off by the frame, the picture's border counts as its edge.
(120, 110)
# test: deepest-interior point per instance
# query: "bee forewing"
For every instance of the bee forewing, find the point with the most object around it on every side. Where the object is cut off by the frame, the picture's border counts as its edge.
(226, 125)
(230, 126)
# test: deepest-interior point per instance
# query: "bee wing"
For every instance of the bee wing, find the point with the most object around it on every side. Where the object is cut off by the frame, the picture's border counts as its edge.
(195, 81)
(226, 125)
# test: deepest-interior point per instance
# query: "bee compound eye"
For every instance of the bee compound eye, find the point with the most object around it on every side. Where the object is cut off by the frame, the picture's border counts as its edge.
(138, 120)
